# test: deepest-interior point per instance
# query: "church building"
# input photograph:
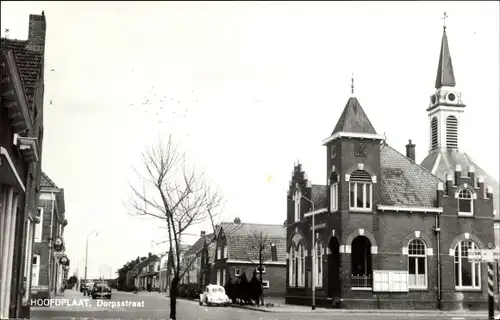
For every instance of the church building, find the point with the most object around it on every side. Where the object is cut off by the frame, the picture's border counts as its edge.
(388, 232)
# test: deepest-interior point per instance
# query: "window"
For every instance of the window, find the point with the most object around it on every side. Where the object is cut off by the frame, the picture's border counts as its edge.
(334, 191)
(301, 281)
(27, 258)
(465, 202)
(219, 252)
(265, 284)
(223, 277)
(467, 274)
(434, 133)
(292, 267)
(39, 226)
(237, 272)
(35, 270)
(224, 255)
(417, 264)
(319, 264)
(274, 252)
(451, 132)
(298, 197)
(360, 191)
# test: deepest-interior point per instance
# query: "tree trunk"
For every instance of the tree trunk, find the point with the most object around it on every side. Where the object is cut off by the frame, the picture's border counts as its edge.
(174, 290)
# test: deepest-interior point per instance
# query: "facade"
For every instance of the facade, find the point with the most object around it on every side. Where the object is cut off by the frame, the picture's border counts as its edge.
(192, 261)
(390, 233)
(48, 272)
(21, 136)
(207, 261)
(165, 274)
(148, 273)
(237, 252)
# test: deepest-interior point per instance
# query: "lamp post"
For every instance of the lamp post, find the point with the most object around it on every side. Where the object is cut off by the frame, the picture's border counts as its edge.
(312, 214)
(87, 252)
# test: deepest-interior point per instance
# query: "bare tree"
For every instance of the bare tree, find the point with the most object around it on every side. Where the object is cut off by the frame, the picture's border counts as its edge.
(175, 195)
(262, 251)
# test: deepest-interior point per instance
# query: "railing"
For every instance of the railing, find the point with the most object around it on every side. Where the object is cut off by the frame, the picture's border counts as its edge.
(361, 281)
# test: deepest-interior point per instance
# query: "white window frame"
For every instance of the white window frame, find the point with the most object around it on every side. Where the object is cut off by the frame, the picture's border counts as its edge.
(39, 226)
(318, 271)
(459, 286)
(263, 269)
(27, 258)
(35, 276)
(219, 253)
(417, 257)
(334, 197)
(367, 190)
(471, 199)
(265, 284)
(223, 277)
(301, 267)
(291, 267)
(237, 272)
(297, 199)
(224, 252)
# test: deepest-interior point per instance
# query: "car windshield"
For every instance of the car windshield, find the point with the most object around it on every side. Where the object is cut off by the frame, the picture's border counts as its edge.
(218, 290)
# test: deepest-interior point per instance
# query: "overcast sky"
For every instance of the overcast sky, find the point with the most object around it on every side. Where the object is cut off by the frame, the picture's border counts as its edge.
(250, 87)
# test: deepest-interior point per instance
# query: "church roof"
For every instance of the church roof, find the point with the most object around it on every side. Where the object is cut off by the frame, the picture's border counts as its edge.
(403, 182)
(353, 119)
(445, 75)
(442, 162)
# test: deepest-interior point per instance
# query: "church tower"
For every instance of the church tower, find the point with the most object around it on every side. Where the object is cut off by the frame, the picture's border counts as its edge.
(446, 105)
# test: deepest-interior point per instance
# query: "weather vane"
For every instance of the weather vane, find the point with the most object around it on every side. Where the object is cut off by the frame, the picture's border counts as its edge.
(445, 16)
(352, 84)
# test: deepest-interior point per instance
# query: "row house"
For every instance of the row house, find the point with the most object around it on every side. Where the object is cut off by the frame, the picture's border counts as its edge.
(242, 248)
(49, 261)
(165, 274)
(21, 136)
(148, 272)
(192, 265)
(388, 232)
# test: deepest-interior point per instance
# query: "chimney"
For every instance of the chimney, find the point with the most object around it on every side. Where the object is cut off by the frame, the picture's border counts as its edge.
(237, 220)
(203, 233)
(481, 186)
(410, 150)
(449, 184)
(440, 193)
(458, 174)
(36, 33)
(471, 174)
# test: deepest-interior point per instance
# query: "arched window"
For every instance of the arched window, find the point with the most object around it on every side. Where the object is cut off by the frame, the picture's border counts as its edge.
(465, 206)
(301, 278)
(319, 264)
(334, 192)
(417, 264)
(297, 198)
(360, 191)
(467, 274)
(434, 133)
(451, 132)
(292, 266)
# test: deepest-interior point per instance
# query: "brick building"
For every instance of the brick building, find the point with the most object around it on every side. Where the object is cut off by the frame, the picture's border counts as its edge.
(238, 249)
(391, 233)
(192, 265)
(21, 136)
(48, 272)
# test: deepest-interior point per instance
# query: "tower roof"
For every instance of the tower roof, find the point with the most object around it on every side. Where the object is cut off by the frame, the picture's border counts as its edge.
(354, 119)
(445, 76)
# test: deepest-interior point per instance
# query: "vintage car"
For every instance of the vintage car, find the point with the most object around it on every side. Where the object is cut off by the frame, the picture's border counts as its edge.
(214, 295)
(101, 290)
(88, 288)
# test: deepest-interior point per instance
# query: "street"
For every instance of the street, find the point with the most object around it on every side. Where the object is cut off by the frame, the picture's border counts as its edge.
(155, 306)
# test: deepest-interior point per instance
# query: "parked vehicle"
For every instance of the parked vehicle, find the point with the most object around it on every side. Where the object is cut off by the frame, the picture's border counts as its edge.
(88, 288)
(214, 295)
(102, 290)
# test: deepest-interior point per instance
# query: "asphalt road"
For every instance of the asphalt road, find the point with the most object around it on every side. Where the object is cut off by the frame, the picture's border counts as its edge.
(157, 307)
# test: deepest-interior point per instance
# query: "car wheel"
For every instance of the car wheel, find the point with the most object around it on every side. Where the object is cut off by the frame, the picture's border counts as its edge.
(201, 302)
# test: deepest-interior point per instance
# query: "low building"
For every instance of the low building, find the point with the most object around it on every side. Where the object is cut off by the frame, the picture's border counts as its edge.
(21, 136)
(147, 278)
(48, 272)
(192, 262)
(243, 247)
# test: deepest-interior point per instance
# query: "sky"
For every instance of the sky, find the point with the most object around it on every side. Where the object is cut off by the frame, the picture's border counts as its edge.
(246, 89)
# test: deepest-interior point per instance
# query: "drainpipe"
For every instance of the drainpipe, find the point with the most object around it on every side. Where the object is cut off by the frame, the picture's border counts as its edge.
(437, 229)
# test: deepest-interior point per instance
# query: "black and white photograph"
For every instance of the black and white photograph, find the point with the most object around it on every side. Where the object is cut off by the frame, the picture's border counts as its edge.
(241, 160)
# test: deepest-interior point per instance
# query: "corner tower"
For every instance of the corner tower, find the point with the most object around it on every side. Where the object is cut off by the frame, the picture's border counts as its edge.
(446, 105)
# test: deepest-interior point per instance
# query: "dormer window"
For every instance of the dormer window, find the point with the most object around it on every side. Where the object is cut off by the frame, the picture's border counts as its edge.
(360, 191)
(298, 197)
(465, 203)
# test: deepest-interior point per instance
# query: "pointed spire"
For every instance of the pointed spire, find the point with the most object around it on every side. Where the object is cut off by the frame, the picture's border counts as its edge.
(354, 119)
(445, 75)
